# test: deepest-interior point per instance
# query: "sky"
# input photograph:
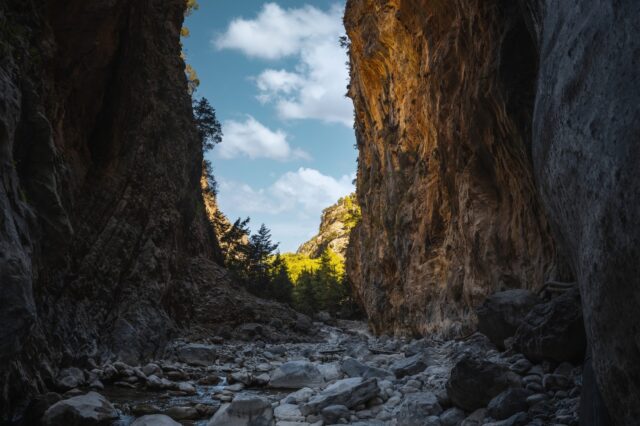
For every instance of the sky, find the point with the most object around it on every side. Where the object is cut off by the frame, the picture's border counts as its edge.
(277, 76)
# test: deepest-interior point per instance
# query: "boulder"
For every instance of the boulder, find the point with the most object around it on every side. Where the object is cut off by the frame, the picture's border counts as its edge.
(182, 413)
(474, 382)
(288, 413)
(501, 313)
(508, 403)
(38, 405)
(155, 420)
(197, 354)
(152, 368)
(245, 410)
(333, 413)
(409, 366)
(89, 409)
(416, 407)
(331, 371)
(348, 392)
(519, 419)
(70, 378)
(295, 375)
(554, 330)
(354, 368)
(452, 417)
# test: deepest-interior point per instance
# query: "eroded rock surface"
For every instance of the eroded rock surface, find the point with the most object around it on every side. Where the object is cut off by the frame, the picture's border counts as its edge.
(585, 152)
(105, 247)
(443, 94)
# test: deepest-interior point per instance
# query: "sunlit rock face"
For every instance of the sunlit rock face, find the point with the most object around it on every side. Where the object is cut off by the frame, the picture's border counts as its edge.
(443, 94)
(336, 224)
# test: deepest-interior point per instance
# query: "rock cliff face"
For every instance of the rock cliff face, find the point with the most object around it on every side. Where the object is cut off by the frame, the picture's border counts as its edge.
(460, 108)
(443, 93)
(586, 155)
(335, 227)
(104, 239)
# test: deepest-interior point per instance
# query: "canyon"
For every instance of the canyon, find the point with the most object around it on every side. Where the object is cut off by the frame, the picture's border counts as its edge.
(498, 193)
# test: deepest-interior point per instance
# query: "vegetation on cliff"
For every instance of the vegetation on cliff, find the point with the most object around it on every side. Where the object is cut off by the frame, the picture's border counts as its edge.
(335, 227)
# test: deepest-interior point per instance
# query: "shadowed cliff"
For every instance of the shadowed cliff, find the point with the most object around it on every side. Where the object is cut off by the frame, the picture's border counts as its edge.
(105, 246)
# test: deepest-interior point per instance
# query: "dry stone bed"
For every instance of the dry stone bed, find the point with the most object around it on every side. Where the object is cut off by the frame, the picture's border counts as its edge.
(350, 377)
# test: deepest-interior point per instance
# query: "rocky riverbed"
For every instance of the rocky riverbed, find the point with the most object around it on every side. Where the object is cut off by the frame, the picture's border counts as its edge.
(347, 376)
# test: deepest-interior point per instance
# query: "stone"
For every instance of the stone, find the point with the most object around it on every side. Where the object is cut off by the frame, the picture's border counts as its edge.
(295, 375)
(474, 382)
(331, 371)
(452, 417)
(348, 392)
(89, 409)
(244, 410)
(501, 313)
(261, 380)
(152, 368)
(182, 413)
(556, 382)
(288, 412)
(70, 378)
(197, 354)
(476, 418)
(155, 420)
(354, 368)
(508, 403)
(240, 377)
(519, 419)
(333, 413)
(416, 407)
(38, 405)
(409, 366)
(145, 409)
(210, 379)
(554, 330)
(299, 396)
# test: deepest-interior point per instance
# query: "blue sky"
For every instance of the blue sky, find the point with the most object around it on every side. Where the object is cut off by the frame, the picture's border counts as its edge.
(276, 76)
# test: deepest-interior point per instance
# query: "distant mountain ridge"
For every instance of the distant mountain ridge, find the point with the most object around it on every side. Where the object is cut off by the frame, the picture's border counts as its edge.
(335, 226)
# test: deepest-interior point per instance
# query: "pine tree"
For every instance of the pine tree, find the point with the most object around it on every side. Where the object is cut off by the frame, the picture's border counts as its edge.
(236, 241)
(260, 250)
(280, 285)
(306, 298)
(209, 128)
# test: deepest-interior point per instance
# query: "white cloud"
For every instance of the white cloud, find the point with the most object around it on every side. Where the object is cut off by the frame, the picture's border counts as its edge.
(254, 140)
(305, 192)
(315, 88)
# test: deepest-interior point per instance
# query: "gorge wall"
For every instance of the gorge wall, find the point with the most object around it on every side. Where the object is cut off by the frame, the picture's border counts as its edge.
(443, 94)
(495, 136)
(105, 246)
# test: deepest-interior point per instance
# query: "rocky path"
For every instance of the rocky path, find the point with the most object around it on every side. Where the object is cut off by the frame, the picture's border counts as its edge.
(346, 377)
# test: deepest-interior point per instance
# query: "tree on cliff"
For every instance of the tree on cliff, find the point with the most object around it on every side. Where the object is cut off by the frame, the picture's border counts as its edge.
(209, 128)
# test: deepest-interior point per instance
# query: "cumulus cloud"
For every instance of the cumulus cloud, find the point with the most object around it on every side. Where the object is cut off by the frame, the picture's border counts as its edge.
(305, 191)
(252, 139)
(315, 87)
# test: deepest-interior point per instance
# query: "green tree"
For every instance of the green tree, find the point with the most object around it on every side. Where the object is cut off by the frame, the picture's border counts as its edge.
(260, 250)
(236, 242)
(280, 287)
(305, 293)
(330, 289)
(209, 128)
